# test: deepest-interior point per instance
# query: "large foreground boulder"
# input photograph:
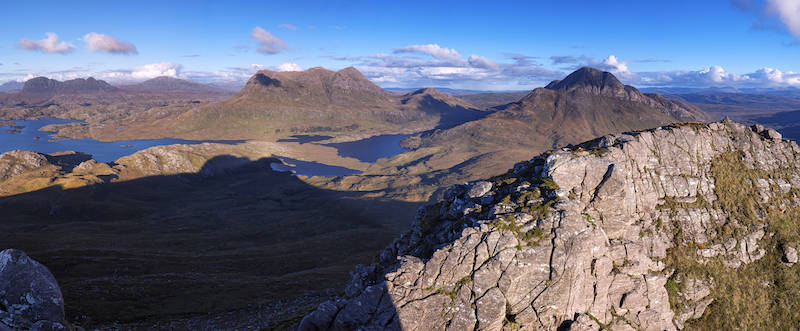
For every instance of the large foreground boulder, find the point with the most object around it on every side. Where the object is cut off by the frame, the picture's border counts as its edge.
(29, 294)
(685, 226)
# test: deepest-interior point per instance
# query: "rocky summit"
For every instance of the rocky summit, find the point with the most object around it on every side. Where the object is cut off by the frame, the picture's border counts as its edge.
(684, 226)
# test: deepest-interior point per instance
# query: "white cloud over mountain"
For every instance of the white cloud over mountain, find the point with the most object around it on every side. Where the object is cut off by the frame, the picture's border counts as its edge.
(289, 66)
(616, 67)
(50, 44)
(97, 42)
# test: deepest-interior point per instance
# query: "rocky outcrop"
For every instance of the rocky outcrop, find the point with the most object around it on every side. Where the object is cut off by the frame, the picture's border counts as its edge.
(16, 162)
(30, 298)
(645, 230)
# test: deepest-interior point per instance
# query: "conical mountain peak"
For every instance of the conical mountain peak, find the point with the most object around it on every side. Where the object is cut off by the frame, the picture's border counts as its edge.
(587, 77)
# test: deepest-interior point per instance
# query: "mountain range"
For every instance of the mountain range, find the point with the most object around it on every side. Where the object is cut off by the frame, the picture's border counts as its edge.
(11, 86)
(318, 101)
(586, 104)
(174, 85)
(46, 86)
(212, 205)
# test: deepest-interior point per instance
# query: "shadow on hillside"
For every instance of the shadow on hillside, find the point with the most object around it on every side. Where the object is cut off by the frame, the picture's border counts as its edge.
(233, 236)
(453, 116)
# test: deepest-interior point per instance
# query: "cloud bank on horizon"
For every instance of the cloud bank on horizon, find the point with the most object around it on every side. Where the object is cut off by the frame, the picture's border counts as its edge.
(407, 64)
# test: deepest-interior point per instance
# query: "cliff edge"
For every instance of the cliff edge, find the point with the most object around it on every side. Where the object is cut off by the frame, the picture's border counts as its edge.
(688, 225)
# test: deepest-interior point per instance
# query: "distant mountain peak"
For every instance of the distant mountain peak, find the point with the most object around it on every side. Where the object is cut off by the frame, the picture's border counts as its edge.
(44, 85)
(427, 90)
(314, 78)
(587, 77)
(172, 84)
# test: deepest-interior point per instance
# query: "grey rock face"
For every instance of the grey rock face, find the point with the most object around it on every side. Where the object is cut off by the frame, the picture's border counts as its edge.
(16, 162)
(572, 238)
(479, 189)
(29, 294)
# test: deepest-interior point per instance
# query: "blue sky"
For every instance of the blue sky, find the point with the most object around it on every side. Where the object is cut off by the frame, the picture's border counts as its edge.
(458, 44)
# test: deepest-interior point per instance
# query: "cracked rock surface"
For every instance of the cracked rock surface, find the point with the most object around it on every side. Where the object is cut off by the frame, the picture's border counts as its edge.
(574, 239)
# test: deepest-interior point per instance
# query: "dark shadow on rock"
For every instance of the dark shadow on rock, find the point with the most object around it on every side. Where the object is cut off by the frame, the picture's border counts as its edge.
(68, 161)
(236, 236)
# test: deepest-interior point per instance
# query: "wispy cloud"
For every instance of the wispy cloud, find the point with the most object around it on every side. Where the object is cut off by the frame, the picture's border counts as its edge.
(441, 53)
(651, 61)
(563, 59)
(779, 15)
(482, 62)
(268, 43)
(191, 55)
(288, 27)
(97, 42)
(434, 65)
(789, 13)
(50, 44)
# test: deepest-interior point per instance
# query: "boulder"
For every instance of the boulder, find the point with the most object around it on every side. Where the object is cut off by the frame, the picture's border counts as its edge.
(29, 294)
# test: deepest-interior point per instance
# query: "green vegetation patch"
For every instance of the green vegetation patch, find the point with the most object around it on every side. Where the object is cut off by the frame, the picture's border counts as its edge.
(697, 126)
(531, 237)
(761, 295)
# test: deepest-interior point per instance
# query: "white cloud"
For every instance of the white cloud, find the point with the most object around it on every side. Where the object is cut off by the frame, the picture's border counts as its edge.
(154, 70)
(288, 27)
(289, 66)
(615, 66)
(789, 13)
(717, 74)
(144, 72)
(447, 68)
(482, 62)
(269, 43)
(50, 44)
(775, 77)
(441, 53)
(96, 42)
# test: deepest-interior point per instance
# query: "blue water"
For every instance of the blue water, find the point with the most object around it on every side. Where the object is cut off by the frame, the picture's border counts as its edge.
(366, 150)
(100, 151)
(371, 149)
